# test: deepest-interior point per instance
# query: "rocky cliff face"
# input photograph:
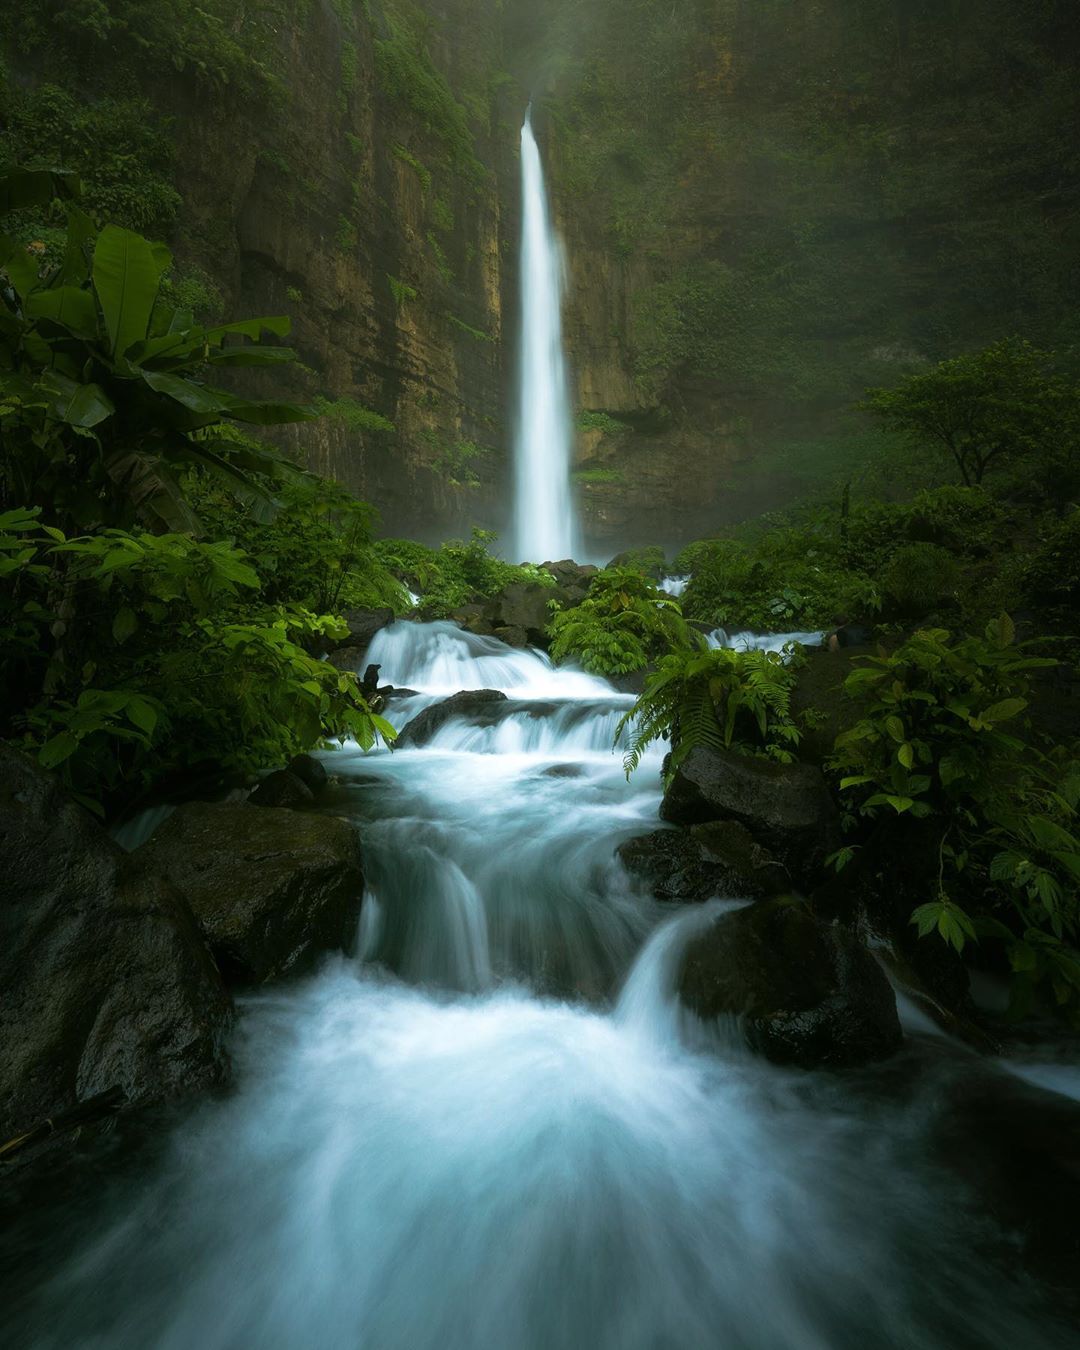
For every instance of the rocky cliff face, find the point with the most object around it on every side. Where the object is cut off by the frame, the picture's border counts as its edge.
(766, 208)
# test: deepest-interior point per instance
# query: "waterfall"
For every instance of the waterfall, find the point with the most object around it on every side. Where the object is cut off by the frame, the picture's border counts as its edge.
(544, 526)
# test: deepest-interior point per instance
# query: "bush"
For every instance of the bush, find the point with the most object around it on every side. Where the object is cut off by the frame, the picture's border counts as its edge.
(622, 625)
(919, 579)
(139, 657)
(720, 698)
(459, 573)
(941, 738)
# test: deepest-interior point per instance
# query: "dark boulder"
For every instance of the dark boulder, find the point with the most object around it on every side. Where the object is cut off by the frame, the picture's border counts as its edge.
(719, 859)
(524, 605)
(348, 658)
(473, 618)
(474, 704)
(786, 807)
(271, 890)
(363, 624)
(310, 771)
(806, 993)
(282, 788)
(512, 636)
(106, 981)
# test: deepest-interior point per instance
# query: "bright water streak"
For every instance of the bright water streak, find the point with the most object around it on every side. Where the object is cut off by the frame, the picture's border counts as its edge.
(544, 527)
(424, 1154)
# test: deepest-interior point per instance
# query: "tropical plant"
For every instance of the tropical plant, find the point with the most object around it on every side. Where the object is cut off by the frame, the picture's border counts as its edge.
(721, 699)
(102, 397)
(940, 738)
(624, 623)
(983, 408)
(96, 692)
(458, 573)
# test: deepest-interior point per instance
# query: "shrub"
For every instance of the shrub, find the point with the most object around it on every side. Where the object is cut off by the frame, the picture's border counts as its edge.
(941, 739)
(719, 698)
(622, 625)
(920, 578)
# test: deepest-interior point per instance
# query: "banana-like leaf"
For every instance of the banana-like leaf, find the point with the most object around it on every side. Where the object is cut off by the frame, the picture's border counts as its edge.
(81, 231)
(197, 398)
(23, 188)
(75, 403)
(22, 270)
(270, 414)
(261, 503)
(251, 356)
(127, 276)
(68, 306)
(152, 490)
(252, 328)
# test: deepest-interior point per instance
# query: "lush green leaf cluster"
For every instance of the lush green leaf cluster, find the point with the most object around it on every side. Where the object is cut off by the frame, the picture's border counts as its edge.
(721, 699)
(941, 738)
(134, 659)
(458, 573)
(623, 624)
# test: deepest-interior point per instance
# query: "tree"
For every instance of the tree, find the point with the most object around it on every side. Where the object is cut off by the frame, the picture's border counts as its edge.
(103, 397)
(1002, 403)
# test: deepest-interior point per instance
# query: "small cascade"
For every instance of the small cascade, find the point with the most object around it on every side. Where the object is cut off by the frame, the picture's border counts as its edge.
(746, 641)
(544, 523)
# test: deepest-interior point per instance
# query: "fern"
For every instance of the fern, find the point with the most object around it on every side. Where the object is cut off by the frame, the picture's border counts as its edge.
(717, 699)
(622, 625)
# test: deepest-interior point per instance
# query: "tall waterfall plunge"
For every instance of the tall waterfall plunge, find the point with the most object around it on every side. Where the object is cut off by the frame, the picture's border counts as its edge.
(544, 525)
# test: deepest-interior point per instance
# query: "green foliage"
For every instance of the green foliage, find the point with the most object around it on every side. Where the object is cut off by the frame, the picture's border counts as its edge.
(401, 290)
(984, 408)
(602, 422)
(475, 333)
(421, 171)
(114, 708)
(598, 477)
(1051, 575)
(121, 149)
(721, 699)
(354, 415)
(941, 738)
(102, 397)
(622, 625)
(407, 74)
(920, 578)
(458, 463)
(459, 573)
(346, 236)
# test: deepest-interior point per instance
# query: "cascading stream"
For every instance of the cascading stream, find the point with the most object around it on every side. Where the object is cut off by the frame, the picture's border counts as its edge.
(544, 524)
(494, 1129)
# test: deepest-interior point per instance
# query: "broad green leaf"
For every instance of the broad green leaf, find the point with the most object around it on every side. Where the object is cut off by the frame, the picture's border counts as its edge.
(127, 276)
(57, 749)
(1003, 711)
(895, 728)
(900, 804)
(252, 328)
(70, 306)
(76, 404)
(21, 268)
(81, 230)
(124, 624)
(196, 397)
(142, 714)
(906, 756)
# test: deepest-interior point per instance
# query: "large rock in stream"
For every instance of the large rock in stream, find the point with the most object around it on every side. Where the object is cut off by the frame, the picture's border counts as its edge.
(805, 993)
(478, 706)
(270, 890)
(105, 980)
(718, 859)
(786, 807)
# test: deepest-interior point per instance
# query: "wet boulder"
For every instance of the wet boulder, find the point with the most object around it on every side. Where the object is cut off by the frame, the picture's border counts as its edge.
(270, 890)
(786, 807)
(106, 981)
(512, 636)
(310, 770)
(282, 788)
(363, 624)
(475, 705)
(719, 859)
(350, 658)
(524, 605)
(805, 993)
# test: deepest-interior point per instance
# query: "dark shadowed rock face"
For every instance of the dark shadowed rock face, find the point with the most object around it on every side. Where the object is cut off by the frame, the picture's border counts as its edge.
(310, 771)
(283, 788)
(363, 624)
(806, 993)
(477, 705)
(271, 890)
(104, 977)
(786, 807)
(719, 859)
